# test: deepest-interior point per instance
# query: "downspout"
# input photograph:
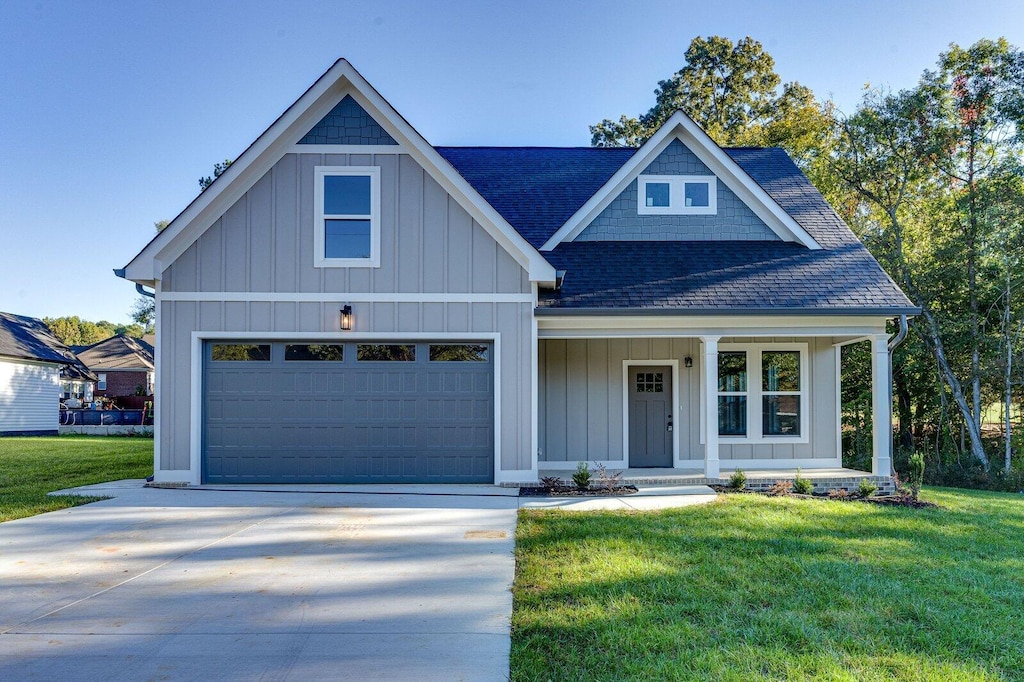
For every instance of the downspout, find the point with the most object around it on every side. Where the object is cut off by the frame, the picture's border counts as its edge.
(150, 294)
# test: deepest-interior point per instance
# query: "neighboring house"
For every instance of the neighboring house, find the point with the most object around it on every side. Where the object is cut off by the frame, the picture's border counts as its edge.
(348, 303)
(123, 366)
(33, 367)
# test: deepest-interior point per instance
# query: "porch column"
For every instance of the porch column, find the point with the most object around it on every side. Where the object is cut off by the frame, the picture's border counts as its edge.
(709, 363)
(881, 406)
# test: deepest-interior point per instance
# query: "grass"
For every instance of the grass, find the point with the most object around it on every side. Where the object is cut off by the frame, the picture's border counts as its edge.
(757, 588)
(32, 467)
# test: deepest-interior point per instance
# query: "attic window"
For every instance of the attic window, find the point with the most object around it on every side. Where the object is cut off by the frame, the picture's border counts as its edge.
(347, 208)
(677, 195)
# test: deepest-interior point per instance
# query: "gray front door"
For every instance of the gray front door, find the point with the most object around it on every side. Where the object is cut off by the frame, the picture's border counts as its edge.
(650, 416)
(348, 412)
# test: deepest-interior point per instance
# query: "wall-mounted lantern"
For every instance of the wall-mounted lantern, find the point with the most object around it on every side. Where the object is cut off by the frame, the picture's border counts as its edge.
(688, 361)
(346, 319)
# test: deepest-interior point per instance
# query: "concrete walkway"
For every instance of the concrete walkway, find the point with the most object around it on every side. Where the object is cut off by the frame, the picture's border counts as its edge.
(245, 585)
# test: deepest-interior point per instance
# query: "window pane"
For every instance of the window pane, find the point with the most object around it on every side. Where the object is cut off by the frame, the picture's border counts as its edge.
(732, 415)
(697, 194)
(347, 194)
(460, 352)
(780, 370)
(315, 352)
(376, 352)
(732, 371)
(240, 352)
(346, 239)
(781, 415)
(656, 194)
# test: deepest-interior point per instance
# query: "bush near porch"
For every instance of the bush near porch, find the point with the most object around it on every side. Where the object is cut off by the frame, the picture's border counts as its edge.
(32, 467)
(756, 588)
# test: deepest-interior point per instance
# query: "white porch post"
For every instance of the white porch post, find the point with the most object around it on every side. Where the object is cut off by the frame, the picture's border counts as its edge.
(881, 406)
(709, 363)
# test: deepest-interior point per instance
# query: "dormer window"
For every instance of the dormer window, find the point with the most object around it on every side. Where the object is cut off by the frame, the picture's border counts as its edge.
(677, 195)
(347, 228)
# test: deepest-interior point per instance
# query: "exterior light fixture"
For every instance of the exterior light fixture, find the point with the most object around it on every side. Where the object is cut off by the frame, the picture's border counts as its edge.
(346, 319)
(688, 361)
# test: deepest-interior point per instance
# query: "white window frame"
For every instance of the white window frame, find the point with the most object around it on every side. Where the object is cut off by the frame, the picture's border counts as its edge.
(676, 195)
(101, 381)
(321, 261)
(755, 393)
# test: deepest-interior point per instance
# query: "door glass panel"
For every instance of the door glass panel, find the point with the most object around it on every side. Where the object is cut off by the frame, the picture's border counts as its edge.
(650, 382)
(240, 352)
(314, 352)
(380, 352)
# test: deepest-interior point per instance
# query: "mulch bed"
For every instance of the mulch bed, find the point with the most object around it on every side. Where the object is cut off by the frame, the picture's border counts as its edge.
(573, 491)
(886, 500)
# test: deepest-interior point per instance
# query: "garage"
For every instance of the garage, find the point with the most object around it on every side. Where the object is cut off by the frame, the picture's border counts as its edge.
(348, 412)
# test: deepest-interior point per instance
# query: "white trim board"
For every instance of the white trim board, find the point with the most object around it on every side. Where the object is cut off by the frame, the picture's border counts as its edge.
(374, 149)
(339, 297)
(193, 475)
(680, 126)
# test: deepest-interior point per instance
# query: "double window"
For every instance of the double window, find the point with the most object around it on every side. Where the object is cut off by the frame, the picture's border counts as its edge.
(677, 195)
(347, 206)
(761, 392)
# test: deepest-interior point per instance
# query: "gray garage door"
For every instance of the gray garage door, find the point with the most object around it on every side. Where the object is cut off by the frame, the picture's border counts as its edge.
(302, 412)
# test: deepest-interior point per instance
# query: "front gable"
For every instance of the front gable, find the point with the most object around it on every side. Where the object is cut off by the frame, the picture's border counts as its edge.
(348, 123)
(729, 219)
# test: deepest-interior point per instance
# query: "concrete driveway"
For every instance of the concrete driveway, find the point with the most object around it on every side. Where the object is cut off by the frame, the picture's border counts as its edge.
(244, 585)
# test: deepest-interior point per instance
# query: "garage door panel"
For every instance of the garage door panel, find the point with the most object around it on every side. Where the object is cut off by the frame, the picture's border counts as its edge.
(348, 421)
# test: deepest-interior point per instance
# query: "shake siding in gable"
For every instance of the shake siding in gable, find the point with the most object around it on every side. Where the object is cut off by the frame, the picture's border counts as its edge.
(264, 244)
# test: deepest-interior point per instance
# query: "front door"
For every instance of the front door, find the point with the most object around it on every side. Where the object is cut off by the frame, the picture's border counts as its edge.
(650, 416)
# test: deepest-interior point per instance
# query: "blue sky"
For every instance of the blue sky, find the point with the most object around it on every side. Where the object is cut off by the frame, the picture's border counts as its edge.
(111, 111)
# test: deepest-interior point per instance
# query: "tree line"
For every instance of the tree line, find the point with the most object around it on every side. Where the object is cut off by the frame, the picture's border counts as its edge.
(930, 178)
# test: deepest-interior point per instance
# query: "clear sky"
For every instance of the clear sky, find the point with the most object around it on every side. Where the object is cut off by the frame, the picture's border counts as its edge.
(111, 111)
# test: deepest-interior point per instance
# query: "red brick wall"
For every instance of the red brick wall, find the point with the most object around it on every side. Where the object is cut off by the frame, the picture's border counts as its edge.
(122, 383)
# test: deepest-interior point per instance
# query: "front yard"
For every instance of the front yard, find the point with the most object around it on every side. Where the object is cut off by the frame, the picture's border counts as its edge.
(756, 588)
(32, 467)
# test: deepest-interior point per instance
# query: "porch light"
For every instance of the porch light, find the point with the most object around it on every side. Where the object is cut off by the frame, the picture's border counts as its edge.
(688, 361)
(346, 319)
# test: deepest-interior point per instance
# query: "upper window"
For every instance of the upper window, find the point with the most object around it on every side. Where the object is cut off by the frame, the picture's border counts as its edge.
(101, 384)
(677, 195)
(347, 228)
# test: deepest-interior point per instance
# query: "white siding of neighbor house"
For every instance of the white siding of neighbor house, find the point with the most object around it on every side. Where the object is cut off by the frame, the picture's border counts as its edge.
(581, 396)
(29, 396)
(264, 244)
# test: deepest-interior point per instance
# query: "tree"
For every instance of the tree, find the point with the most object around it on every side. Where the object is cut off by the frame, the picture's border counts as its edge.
(733, 92)
(218, 169)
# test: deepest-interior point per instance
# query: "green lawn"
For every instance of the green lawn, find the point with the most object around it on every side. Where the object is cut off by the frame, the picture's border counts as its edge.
(32, 467)
(757, 588)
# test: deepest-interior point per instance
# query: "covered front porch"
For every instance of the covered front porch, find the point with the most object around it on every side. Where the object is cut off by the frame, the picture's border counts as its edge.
(691, 399)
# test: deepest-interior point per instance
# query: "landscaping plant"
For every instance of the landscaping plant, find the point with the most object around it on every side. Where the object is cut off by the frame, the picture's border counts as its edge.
(866, 488)
(738, 480)
(581, 477)
(802, 486)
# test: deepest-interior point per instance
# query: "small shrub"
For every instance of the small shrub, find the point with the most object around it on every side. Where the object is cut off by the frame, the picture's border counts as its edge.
(738, 480)
(607, 480)
(839, 494)
(916, 463)
(551, 482)
(581, 477)
(802, 486)
(866, 487)
(780, 488)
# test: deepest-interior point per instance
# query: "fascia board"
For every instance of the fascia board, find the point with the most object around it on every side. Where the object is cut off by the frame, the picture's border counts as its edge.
(277, 140)
(704, 148)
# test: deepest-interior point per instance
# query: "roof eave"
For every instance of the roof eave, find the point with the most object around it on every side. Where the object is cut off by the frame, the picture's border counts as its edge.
(893, 311)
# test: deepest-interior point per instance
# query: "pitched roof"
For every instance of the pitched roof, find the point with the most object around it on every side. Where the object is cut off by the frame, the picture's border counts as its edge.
(537, 189)
(27, 338)
(119, 352)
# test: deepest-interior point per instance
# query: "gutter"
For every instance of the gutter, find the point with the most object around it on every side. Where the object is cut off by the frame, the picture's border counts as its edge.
(543, 311)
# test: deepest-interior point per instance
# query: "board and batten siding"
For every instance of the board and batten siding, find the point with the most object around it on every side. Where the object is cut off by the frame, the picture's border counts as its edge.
(264, 244)
(581, 399)
(29, 396)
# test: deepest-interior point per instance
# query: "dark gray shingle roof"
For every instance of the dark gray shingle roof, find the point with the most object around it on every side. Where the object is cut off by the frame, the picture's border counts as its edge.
(538, 189)
(120, 352)
(26, 338)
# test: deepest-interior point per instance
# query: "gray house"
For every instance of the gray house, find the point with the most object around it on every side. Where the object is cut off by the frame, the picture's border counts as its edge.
(348, 303)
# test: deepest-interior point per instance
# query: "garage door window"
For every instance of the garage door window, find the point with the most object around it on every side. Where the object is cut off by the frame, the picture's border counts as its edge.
(458, 352)
(380, 352)
(314, 352)
(240, 352)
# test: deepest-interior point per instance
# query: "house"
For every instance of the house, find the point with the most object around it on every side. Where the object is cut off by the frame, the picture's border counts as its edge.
(123, 366)
(33, 367)
(348, 303)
